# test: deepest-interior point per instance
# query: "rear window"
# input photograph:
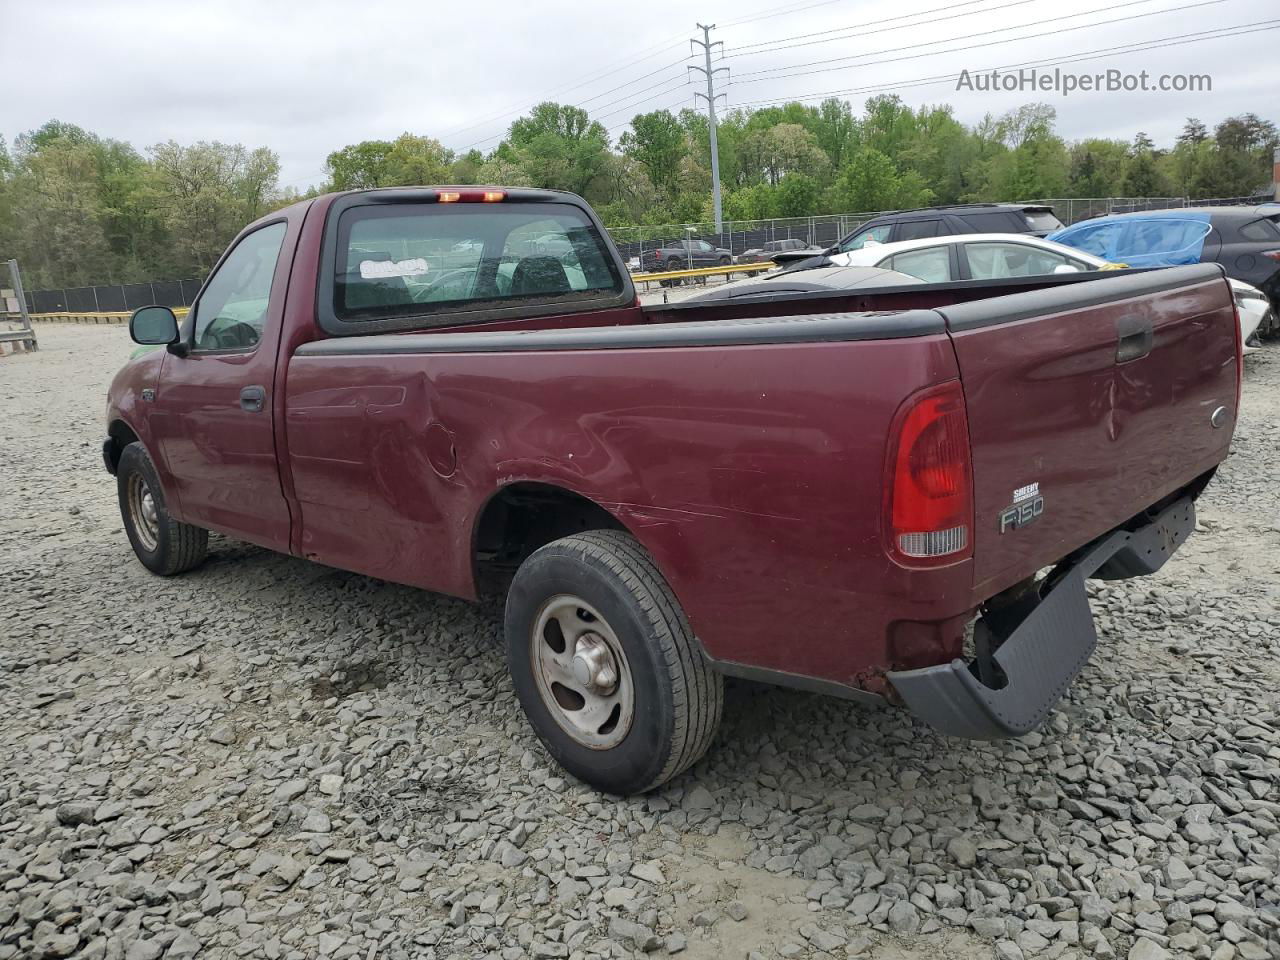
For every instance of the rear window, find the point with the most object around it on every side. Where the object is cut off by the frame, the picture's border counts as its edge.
(1042, 220)
(1260, 230)
(998, 222)
(406, 260)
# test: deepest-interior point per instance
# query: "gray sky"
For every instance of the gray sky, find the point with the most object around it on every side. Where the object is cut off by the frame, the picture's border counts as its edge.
(307, 78)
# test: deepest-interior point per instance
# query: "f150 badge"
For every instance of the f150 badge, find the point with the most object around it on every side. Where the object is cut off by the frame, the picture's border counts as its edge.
(1027, 505)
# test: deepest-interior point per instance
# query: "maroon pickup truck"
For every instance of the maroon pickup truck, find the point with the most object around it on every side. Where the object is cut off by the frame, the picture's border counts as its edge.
(892, 493)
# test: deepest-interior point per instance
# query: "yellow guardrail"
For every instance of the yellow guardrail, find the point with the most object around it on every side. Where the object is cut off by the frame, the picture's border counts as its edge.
(94, 316)
(705, 271)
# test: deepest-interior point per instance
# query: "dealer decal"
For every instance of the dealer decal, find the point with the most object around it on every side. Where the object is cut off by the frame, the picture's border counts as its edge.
(1026, 507)
(386, 269)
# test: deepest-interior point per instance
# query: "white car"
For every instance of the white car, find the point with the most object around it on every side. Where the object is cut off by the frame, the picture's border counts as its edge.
(991, 256)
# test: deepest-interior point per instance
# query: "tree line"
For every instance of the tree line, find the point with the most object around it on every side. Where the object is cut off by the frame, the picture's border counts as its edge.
(77, 208)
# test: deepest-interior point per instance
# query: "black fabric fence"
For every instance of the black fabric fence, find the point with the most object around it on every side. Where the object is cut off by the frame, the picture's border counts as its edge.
(114, 298)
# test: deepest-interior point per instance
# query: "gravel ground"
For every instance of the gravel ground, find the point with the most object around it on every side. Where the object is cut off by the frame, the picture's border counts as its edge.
(268, 758)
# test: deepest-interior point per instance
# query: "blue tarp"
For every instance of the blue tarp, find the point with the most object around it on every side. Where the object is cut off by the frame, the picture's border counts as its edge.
(1165, 239)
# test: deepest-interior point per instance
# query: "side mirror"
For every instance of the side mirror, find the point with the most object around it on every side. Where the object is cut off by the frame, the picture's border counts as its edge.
(1065, 268)
(153, 326)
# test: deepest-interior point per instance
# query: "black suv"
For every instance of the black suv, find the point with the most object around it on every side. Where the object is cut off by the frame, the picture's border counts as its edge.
(1035, 219)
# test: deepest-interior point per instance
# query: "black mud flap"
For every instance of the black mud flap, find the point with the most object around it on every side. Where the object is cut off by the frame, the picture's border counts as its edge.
(1049, 648)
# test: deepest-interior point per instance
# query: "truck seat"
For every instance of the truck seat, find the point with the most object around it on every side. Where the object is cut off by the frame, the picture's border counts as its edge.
(539, 275)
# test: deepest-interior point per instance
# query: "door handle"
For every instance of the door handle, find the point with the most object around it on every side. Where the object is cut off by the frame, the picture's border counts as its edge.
(1135, 337)
(253, 398)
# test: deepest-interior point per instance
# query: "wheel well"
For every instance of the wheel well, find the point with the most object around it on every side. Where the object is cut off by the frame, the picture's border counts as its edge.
(121, 436)
(525, 516)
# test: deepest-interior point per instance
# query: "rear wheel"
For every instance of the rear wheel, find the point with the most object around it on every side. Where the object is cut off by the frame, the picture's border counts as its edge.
(605, 664)
(164, 545)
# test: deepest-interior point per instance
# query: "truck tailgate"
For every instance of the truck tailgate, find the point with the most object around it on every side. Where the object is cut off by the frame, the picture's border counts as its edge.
(1087, 404)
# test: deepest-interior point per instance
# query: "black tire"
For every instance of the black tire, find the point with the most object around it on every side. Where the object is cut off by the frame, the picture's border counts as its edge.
(678, 698)
(172, 547)
(726, 261)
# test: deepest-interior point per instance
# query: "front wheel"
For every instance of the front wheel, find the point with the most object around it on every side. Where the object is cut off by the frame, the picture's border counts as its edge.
(164, 545)
(606, 666)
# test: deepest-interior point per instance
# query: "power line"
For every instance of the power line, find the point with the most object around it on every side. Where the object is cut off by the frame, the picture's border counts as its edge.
(774, 73)
(669, 44)
(785, 11)
(626, 123)
(861, 29)
(937, 52)
(680, 81)
(646, 76)
(1140, 46)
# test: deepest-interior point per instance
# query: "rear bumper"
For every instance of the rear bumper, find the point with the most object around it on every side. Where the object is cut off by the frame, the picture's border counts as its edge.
(1050, 647)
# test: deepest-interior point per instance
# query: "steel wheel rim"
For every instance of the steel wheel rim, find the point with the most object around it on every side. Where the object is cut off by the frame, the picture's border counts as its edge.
(144, 513)
(582, 672)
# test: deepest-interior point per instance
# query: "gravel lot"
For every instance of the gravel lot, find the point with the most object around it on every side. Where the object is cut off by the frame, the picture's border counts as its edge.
(268, 758)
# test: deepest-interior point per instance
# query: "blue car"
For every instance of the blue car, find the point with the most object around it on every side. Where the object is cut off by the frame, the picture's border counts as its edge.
(1245, 240)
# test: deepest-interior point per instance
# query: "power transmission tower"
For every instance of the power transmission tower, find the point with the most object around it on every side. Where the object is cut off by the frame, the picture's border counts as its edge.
(710, 96)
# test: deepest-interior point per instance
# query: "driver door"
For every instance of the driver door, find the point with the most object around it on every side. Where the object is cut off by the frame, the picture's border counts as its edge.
(213, 410)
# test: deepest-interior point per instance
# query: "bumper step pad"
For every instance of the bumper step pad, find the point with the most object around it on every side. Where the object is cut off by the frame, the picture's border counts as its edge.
(1049, 648)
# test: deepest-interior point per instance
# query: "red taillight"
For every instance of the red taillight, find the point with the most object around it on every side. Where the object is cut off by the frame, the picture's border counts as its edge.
(470, 196)
(929, 480)
(1272, 255)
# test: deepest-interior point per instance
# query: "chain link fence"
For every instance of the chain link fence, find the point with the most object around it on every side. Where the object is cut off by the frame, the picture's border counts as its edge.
(822, 231)
(737, 237)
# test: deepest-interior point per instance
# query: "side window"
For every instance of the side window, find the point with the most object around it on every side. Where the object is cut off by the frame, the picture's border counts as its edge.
(991, 261)
(932, 264)
(876, 234)
(704, 246)
(232, 309)
(917, 229)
